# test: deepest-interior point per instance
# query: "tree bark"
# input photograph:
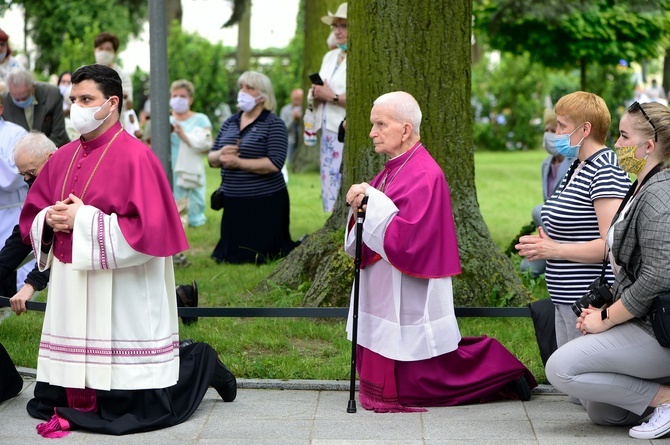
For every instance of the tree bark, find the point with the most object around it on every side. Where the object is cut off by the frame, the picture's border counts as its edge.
(396, 45)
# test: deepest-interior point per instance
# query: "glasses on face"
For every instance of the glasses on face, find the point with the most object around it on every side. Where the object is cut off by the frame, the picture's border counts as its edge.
(634, 108)
(33, 172)
(342, 26)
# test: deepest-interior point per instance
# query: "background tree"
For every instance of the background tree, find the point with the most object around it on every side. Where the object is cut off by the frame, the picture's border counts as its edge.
(51, 23)
(569, 33)
(382, 59)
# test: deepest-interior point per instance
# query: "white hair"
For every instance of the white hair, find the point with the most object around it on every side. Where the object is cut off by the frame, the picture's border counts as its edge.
(405, 108)
(20, 77)
(34, 144)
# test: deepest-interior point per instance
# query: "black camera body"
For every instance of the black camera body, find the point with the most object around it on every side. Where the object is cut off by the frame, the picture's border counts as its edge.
(598, 295)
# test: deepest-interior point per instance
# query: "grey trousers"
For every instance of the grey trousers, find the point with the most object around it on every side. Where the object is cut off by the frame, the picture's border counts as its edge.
(615, 374)
(566, 324)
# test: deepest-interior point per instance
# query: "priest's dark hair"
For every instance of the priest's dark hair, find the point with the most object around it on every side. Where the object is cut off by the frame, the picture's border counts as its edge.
(106, 78)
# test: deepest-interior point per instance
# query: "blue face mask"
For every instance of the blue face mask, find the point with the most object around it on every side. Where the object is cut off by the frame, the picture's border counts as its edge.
(342, 46)
(24, 103)
(563, 147)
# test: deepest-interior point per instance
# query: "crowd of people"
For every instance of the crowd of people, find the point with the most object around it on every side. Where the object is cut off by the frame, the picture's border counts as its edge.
(110, 339)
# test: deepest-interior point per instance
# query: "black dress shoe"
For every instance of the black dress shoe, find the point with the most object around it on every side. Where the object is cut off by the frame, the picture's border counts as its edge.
(224, 382)
(521, 388)
(187, 296)
(186, 342)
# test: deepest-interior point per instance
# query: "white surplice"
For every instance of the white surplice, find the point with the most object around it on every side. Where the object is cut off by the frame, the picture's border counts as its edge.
(128, 337)
(400, 317)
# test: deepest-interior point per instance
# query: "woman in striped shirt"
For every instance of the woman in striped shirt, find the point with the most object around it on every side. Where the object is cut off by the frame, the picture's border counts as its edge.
(580, 210)
(250, 149)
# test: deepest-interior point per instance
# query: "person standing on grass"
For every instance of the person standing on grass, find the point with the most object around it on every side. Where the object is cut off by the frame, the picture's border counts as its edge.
(410, 351)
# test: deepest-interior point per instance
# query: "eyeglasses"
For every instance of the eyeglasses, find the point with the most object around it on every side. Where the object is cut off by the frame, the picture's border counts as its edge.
(33, 172)
(635, 107)
(342, 26)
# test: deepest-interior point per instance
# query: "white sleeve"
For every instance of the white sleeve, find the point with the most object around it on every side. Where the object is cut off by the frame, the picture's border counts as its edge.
(98, 243)
(36, 230)
(378, 214)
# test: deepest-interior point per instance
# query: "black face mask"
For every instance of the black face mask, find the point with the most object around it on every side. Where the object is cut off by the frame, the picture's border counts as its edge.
(30, 181)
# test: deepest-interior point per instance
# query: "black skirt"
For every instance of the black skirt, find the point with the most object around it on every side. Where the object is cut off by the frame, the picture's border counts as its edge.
(126, 412)
(255, 229)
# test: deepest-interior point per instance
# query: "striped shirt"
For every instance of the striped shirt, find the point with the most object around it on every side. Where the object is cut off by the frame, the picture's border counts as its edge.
(266, 137)
(570, 217)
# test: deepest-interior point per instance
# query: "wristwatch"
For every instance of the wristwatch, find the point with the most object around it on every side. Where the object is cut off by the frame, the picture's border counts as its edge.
(605, 316)
(336, 99)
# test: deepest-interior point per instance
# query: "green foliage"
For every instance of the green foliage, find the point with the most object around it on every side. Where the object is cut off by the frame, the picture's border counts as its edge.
(63, 31)
(561, 33)
(508, 100)
(194, 58)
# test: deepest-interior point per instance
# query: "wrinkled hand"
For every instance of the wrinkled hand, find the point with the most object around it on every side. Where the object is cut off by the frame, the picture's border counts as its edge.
(356, 194)
(61, 215)
(537, 247)
(590, 321)
(18, 301)
(322, 92)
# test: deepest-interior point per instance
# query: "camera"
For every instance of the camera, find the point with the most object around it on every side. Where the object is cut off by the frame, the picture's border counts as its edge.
(598, 295)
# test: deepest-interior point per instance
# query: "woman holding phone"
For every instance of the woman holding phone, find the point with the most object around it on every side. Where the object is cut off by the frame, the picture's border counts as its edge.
(330, 100)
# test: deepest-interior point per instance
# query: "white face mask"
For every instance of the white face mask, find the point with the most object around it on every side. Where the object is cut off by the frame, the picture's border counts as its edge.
(104, 57)
(83, 119)
(245, 101)
(179, 104)
(3, 55)
(64, 90)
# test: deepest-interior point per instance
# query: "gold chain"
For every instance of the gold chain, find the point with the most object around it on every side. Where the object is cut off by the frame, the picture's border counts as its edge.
(62, 192)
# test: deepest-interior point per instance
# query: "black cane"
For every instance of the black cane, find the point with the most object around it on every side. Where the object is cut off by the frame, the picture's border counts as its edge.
(360, 217)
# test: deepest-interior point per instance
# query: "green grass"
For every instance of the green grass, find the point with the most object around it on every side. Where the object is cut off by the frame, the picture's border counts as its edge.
(508, 186)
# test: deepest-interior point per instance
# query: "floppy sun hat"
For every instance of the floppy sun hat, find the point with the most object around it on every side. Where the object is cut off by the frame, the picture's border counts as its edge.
(341, 13)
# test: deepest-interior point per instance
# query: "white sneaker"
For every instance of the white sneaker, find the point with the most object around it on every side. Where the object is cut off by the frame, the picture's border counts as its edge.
(657, 426)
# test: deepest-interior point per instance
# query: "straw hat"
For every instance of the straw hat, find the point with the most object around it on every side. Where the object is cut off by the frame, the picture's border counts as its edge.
(341, 13)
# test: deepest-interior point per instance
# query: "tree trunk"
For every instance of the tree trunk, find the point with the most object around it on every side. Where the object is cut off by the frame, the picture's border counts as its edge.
(173, 11)
(396, 45)
(244, 39)
(666, 71)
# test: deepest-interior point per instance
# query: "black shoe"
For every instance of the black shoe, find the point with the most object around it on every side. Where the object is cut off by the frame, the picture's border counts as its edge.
(187, 296)
(224, 382)
(521, 388)
(186, 342)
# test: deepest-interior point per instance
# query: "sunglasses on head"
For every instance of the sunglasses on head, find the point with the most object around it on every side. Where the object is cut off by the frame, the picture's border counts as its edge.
(634, 108)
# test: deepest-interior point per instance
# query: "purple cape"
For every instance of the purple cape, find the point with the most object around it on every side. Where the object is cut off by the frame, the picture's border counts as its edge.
(129, 182)
(421, 239)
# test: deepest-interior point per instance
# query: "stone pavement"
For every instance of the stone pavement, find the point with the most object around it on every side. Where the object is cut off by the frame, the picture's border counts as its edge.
(315, 413)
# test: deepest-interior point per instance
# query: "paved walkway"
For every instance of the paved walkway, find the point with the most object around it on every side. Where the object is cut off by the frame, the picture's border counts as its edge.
(315, 413)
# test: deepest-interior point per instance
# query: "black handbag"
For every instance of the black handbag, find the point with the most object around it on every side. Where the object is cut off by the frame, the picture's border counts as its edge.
(216, 200)
(660, 319)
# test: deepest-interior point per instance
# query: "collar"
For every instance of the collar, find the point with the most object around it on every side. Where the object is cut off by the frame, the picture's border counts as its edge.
(101, 140)
(261, 117)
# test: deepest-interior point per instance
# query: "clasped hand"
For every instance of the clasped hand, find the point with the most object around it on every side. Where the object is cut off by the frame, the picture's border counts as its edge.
(230, 157)
(590, 321)
(356, 194)
(537, 247)
(60, 217)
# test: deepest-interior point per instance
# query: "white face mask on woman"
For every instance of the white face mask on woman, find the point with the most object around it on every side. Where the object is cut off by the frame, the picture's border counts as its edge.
(179, 104)
(245, 101)
(83, 119)
(104, 57)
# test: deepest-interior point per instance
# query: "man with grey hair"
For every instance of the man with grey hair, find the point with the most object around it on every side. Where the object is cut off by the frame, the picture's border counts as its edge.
(410, 348)
(30, 154)
(35, 106)
(12, 195)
